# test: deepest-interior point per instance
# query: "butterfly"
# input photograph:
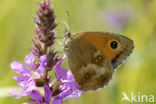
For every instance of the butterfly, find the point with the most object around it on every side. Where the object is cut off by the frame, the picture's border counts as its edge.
(93, 56)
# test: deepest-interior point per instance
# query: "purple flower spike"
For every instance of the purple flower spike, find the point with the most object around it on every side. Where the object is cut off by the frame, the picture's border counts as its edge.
(36, 76)
(45, 23)
(27, 80)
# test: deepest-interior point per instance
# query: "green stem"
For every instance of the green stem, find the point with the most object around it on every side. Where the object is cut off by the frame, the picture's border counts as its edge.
(45, 48)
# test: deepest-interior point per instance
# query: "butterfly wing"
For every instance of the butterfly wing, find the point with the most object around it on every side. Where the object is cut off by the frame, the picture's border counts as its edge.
(126, 47)
(91, 68)
(103, 40)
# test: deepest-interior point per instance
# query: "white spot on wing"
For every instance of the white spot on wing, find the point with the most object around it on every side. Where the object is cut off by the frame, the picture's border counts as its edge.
(97, 53)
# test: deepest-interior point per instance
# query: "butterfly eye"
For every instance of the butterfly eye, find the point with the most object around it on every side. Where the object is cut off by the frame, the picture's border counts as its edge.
(114, 44)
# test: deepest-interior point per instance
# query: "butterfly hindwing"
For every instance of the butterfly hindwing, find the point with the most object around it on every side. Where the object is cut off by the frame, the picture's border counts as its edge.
(91, 68)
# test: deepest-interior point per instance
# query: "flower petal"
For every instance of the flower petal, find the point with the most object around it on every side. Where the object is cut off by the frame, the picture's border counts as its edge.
(75, 94)
(15, 92)
(29, 86)
(61, 73)
(35, 95)
(59, 62)
(43, 61)
(69, 87)
(40, 70)
(70, 75)
(48, 94)
(64, 94)
(69, 82)
(19, 68)
(57, 101)
(27, 103)
(21, 80)
(29, 60)
(72, 85)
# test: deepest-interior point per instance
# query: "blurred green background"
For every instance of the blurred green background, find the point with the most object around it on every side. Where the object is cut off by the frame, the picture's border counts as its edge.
(133, 18)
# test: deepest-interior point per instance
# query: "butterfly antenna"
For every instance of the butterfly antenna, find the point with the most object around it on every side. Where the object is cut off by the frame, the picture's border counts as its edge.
(68, 19)
(67, 32)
